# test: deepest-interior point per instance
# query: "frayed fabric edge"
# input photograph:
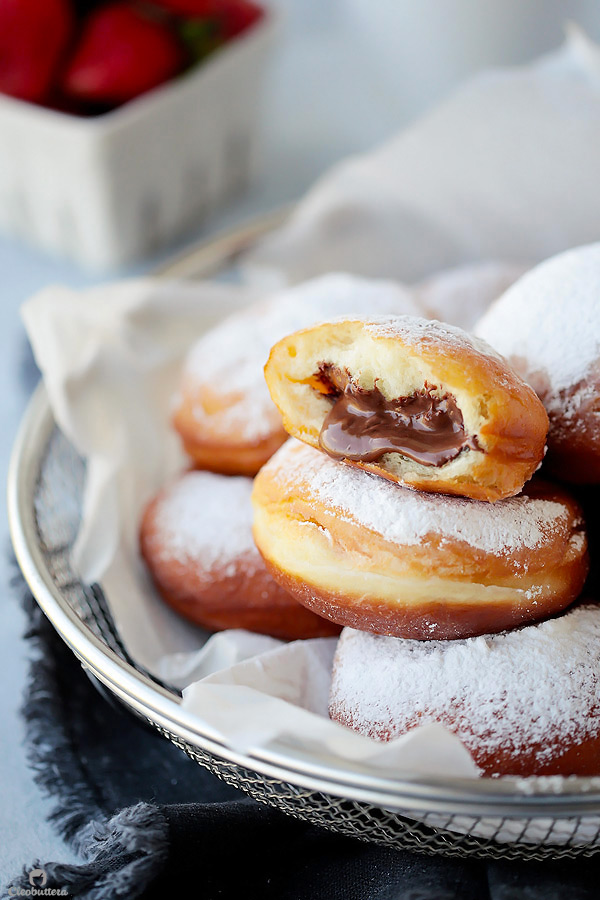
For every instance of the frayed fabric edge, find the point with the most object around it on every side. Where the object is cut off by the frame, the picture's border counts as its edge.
(124, 853)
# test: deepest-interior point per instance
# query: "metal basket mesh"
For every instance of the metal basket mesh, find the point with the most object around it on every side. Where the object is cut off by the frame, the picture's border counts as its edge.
(57, 508)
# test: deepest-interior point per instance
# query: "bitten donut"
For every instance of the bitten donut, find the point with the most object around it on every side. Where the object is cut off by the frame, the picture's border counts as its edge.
(365, 552)
(223, 411)
(548, 326)
(196, 539)
(415, 401)
(524, 702)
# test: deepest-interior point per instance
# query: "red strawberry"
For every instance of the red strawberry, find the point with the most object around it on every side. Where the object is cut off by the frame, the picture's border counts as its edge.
(238, 15)
(192, 9)
(233, 16)
(121, 54)
(34, 35)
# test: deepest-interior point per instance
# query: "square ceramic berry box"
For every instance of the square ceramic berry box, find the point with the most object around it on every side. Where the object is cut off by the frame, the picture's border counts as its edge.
(109, 190)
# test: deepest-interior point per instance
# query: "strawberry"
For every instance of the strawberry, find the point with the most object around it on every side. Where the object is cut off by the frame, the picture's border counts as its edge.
(84, 7)
(34, 35)
(232, 16)
(238, 15)
(121, 54)
(191, 9)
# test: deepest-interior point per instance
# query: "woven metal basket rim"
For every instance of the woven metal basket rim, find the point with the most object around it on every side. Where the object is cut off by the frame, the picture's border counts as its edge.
(391, 791)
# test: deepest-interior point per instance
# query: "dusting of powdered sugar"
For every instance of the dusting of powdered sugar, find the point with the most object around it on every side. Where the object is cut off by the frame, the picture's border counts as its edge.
(231, 357)
(417, 332)
(206, 519)
(534, 685)
(548, 323)
(407, 517)
(463, 294)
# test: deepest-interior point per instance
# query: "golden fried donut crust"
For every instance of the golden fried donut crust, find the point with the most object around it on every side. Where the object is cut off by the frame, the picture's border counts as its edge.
(370, 554)
(223, 411)
(573, 441)
(402, 356)
(229, 589)
(224, 451)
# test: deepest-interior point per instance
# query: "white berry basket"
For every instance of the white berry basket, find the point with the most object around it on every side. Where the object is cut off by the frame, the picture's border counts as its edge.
(499, 818)
(109, 190)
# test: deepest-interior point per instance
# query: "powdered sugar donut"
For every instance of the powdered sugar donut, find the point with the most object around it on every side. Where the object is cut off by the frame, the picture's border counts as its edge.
(224, 414)
(364, 552)
(462, 295)
(548, 326)
(196, 539)
(419, 402)
(525, 702)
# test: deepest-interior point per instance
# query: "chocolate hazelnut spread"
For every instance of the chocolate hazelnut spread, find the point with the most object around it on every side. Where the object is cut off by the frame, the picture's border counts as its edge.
(362, 425)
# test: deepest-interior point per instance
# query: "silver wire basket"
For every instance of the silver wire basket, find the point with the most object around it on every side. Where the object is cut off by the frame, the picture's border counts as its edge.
(497, 818)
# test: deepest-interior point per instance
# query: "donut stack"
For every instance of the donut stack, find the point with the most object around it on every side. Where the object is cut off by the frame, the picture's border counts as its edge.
(407, 507)
(196, 534)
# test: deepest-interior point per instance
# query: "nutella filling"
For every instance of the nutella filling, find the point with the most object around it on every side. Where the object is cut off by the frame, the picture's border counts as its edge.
(362, 425)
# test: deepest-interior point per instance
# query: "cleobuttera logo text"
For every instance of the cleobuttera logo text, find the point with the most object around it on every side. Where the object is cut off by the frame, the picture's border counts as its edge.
(38, 880)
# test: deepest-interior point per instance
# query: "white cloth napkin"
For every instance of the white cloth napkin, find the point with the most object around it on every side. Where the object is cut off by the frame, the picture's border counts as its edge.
(507, 168)
(111, 359)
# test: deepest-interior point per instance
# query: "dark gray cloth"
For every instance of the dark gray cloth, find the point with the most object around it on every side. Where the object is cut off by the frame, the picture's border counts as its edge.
(149, 822)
